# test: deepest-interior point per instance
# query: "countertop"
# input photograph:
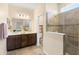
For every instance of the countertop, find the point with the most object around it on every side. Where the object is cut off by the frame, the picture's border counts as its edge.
(19, 33)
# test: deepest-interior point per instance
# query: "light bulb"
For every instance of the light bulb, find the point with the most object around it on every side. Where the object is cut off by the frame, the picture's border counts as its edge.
(27, 17)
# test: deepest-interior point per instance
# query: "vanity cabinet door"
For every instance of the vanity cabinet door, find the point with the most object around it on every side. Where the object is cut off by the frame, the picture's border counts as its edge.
(34, 39)
(31, 39)
(11, 43)
(24, 40)
(18, 41)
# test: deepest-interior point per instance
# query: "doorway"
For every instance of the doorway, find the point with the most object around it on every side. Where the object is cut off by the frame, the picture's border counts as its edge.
(40, 31)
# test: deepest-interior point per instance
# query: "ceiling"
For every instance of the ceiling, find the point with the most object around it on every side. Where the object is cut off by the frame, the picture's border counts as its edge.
(63, 4)
(31, 6)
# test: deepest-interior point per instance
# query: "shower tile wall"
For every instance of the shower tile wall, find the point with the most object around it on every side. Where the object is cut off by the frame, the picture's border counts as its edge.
(70, 28)
(68, 24)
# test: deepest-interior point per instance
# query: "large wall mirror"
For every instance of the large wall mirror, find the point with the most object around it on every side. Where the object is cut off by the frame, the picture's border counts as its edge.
(17, 25)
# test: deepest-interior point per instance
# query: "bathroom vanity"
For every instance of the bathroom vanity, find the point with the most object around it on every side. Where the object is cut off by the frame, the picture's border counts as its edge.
(20, 33)
(21, 40)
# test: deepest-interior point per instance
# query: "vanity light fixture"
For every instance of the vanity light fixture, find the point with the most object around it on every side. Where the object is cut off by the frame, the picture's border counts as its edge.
(19, 14)
(23, 16)
(27, 17)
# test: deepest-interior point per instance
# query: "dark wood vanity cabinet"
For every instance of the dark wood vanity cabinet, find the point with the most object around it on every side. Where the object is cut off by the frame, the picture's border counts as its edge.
(30, 39)
(20, 41)
(11, 43)
(25, 39)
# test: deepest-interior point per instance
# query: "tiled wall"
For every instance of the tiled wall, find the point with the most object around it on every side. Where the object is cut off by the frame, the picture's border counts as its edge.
(68, 24)
(71, 27)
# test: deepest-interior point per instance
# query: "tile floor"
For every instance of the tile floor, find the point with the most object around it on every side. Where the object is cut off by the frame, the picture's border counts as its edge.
(32, 50)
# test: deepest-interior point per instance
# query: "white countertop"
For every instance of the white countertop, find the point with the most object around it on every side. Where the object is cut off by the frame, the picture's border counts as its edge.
(19, 33)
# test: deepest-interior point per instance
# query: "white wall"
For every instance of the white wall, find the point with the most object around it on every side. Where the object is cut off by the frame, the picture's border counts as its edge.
(14, 11)
(3, 47)
(39, 11)
(3, 17)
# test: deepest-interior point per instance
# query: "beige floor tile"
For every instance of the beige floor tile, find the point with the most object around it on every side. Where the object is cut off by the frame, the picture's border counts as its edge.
(32, 50)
